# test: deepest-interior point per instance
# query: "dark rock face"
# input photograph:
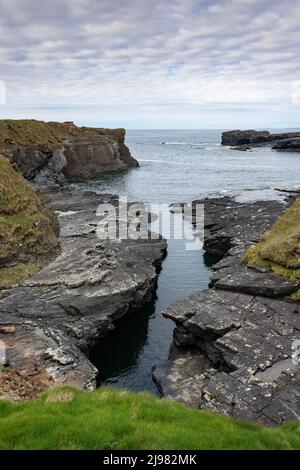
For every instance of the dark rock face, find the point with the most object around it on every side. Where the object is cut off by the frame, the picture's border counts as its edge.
(238, 137)
(244, 140)
(30, 161)
(228, 336)
(42, 166)
(292, 145)
(64, 309)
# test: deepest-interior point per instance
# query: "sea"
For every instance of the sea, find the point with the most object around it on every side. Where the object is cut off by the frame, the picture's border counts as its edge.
(179, 166)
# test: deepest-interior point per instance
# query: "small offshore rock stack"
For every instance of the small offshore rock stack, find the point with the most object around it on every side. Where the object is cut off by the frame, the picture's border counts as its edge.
(233, 342)
(52, 153)
(245, 139)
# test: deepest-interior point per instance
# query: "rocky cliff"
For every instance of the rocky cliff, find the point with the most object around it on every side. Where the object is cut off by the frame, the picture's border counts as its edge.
(52, 153)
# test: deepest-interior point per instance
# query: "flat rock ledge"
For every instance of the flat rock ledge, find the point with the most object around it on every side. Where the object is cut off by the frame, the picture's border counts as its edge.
(233, 342)
(60, 313)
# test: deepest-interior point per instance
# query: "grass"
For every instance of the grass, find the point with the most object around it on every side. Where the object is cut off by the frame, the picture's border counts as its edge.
(28, 229)
(27, 132)
(110, 419)
(33, 133)
(17, 273)
(279, 248)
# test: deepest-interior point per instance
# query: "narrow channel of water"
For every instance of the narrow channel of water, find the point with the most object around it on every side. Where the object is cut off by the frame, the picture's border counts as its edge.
(178, 166)
(126, 357)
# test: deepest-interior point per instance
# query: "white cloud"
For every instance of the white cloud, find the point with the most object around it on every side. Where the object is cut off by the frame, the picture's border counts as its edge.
(2, 92)
(210, 54)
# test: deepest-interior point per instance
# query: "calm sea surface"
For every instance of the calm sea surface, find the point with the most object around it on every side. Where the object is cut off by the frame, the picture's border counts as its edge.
(178, 166)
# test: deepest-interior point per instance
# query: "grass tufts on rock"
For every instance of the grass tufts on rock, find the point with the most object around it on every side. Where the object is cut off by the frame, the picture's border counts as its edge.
(28, 228)
(33, 133)
(279, 248)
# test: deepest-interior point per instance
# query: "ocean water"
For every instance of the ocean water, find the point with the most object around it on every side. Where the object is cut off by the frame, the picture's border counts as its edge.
(178, 166)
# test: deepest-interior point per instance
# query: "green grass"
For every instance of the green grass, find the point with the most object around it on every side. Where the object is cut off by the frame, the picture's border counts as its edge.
(17, 273)
(33, 133)
(28, 132)
(279, 248)
(66, 418)
(28, 229)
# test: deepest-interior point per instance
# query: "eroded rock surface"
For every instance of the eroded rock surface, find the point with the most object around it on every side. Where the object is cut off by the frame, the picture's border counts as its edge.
(64, 309)
(245, 324)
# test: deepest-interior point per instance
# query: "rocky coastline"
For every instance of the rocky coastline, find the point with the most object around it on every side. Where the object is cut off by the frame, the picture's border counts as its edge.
(246, 139)
(233, 342)
(51, 321)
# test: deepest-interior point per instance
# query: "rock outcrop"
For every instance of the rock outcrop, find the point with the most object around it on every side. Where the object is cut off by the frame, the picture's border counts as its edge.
(52, 153)
(233, 343)
(59, 313)
(238, 137)
(244, 140)
(292, 145)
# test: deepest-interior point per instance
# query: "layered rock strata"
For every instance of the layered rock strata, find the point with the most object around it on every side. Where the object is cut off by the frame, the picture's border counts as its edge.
(233, 343)
(58, 314)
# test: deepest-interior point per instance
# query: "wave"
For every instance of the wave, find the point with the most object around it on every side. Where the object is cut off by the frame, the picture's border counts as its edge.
(165, 162)
(194, 144)
(261, 193)
(175, 143)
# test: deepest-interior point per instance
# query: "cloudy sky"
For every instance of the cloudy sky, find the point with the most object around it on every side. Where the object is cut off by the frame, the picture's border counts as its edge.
(152, 64)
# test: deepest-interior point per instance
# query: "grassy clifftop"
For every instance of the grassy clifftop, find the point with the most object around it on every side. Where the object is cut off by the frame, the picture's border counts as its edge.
(28, 229)
(279, 248)
(112, 419)
(32, 133)
(27, 132)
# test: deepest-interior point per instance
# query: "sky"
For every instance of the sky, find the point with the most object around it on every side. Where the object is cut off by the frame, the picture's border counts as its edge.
(152, 64)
